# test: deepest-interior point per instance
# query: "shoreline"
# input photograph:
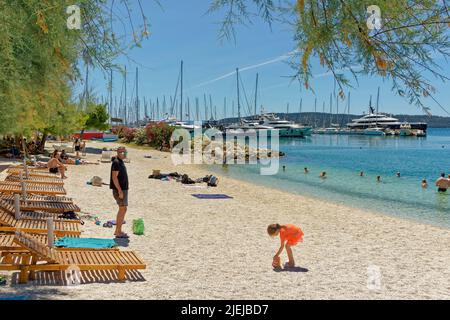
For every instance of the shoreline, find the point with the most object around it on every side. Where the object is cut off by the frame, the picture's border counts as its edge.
(219, 249)
(335, 202)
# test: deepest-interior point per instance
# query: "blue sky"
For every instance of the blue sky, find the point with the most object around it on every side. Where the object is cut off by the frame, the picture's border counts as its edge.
(183, 31)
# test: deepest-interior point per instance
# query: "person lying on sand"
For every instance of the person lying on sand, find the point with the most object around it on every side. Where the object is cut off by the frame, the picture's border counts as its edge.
(290, 235)
(78, 162)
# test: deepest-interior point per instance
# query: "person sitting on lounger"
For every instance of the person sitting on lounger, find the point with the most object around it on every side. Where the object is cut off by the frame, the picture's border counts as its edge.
(55, 166)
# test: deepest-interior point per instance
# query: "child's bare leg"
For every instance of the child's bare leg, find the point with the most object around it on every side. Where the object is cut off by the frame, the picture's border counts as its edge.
(290, 256)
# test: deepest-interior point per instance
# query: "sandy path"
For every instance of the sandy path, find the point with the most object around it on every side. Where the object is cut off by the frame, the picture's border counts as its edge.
(219, 249)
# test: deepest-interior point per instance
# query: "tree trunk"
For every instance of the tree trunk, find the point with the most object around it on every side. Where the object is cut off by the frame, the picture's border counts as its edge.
(43, 140)
(24, 148)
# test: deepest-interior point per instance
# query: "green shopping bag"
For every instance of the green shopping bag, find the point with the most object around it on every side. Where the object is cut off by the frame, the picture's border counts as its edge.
(138, 227)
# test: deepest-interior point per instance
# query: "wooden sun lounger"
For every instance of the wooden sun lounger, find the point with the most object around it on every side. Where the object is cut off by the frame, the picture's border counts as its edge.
(35, 215)
(21, 167)
(56, 207)
(7, 242)
(37, 179)
(8, 246)
(37, 198)
(8, 223)
(32, 188)
(43, 258)
(40, 173)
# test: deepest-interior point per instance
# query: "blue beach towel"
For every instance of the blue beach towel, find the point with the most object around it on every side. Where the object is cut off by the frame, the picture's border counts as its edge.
(13, 298)
(85, 243)
(212, 196)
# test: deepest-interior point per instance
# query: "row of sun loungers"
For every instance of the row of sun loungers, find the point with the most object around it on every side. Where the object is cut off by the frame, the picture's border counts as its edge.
(24, 235)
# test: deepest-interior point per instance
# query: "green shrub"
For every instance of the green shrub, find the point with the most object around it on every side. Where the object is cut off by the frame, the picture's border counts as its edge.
(159, 134)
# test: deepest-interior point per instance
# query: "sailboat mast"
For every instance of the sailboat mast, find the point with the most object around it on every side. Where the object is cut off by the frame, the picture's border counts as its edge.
(125, 99)
(225, 108)
(238, 100)
(337, 109)
(188, 109)
(137, 96)
(315, 113)
(323, 115)
(197, 109)
(256, 93)
(206, 107)
(331, 109)
(232, 109)
(348, 117)
(181, 104)
(211, 107)
(157, 107)
(111, 96)
(300, 109)
(378, 98)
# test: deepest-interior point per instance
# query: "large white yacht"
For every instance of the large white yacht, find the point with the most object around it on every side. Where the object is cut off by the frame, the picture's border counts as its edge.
(374, 120)
(381, 120)
(287, 128)
(246, 127)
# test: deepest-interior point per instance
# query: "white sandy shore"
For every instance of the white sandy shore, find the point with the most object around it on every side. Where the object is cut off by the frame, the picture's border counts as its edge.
(219, 249)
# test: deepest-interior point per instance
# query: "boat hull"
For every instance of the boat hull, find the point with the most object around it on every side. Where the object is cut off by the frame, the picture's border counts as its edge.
(374, 133)
(295, 132)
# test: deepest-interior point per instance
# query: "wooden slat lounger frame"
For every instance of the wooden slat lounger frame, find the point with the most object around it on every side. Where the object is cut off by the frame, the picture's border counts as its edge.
(8, 223)
(29, 168)
(55, 260)
(37, 215)
(38, 198)
(40, 173)
(7, 244)
(32, 188)
(38, 180)
(44, 206)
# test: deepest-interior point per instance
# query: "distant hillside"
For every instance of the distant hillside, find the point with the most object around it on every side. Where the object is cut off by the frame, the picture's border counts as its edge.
(324, 119)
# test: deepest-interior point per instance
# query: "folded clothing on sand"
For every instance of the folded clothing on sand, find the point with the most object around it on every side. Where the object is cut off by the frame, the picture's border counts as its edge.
(85, 243)
(210, 180)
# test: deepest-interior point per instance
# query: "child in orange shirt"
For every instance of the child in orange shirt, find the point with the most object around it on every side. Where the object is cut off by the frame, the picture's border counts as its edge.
(290, 235)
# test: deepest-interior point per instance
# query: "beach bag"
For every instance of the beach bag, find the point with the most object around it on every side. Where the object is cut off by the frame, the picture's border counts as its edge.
(96, 181)
(138, 227)
(213, 181)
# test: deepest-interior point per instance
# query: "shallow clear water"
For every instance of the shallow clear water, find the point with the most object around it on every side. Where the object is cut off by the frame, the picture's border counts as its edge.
(344, 156)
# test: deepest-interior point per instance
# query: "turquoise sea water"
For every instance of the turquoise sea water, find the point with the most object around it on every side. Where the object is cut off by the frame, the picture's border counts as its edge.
(344, 156)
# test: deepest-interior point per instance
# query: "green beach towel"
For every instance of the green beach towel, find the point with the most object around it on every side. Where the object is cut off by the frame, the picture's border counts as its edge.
(85, 243)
